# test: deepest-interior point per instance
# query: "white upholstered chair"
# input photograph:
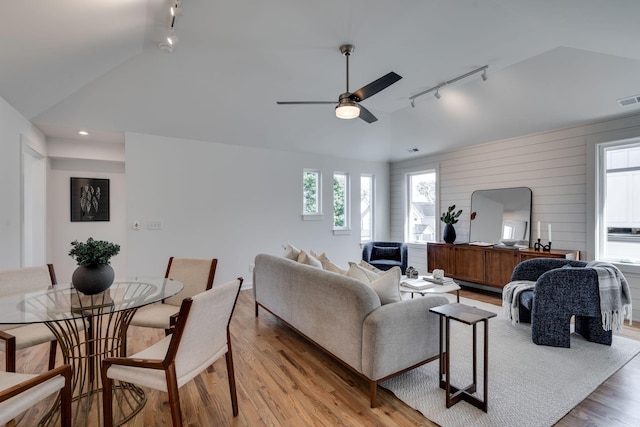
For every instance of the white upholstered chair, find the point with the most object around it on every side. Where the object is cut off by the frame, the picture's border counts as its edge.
(201, 336)
(17, 337)
(19, 392)
(195, 274)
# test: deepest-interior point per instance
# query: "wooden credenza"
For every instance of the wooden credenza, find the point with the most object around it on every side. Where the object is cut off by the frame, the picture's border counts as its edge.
(489, 266)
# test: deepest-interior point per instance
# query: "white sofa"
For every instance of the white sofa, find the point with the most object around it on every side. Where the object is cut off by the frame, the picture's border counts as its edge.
(345, 318)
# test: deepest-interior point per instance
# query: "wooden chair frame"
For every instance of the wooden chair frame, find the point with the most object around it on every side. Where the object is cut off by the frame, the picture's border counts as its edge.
(65, 392)
(168, 365)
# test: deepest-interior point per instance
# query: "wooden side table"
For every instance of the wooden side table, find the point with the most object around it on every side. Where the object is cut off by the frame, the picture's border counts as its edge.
(470, 316)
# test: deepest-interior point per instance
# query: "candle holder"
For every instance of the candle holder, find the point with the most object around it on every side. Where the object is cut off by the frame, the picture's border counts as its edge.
(540, 247)
(537, 246)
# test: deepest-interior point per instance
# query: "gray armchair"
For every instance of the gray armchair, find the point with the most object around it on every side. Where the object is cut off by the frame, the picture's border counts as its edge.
(559, 294)
(384, 255)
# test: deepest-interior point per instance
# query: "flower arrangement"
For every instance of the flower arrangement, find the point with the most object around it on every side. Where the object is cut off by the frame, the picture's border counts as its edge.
(93, 253)
(450, 217)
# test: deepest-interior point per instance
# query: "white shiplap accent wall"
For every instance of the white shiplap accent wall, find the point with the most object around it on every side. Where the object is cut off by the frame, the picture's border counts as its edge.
(557, 165)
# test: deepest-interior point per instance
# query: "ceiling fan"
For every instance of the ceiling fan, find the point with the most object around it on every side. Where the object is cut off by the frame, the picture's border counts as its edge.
(348, 103)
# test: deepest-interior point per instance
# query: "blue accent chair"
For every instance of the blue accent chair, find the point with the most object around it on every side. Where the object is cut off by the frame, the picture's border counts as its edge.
(385, 255)
(564, 288)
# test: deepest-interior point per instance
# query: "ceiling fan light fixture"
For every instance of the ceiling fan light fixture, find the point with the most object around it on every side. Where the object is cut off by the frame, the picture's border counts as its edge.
(347, 110)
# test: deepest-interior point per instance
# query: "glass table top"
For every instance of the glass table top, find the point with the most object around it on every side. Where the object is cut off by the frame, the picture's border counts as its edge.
(63, 302)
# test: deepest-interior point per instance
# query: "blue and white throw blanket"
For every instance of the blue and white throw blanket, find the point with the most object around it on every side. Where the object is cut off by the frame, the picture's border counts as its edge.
(511, 298)
(615, 296)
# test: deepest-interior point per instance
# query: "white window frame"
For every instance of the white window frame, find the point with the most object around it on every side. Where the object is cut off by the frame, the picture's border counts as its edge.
(601, 231)
(346, 228)
(372, 210)
(408, 233)
(317, 215)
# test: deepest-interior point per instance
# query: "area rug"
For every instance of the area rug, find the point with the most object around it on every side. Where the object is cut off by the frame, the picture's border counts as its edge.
(529, 385)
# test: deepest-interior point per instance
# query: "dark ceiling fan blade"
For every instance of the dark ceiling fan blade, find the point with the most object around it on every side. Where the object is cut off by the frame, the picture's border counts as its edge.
(304, 102)
(375, 87)
(366, 115)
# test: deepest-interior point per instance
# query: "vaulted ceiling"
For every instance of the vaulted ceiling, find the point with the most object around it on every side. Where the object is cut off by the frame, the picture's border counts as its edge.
(96, 65)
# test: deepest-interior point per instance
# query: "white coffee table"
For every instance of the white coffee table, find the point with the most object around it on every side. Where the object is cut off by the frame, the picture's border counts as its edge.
(436, 289)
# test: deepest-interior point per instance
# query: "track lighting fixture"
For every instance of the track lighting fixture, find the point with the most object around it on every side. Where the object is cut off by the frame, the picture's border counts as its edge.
(174, 11)
(437, 87)
(413, 103)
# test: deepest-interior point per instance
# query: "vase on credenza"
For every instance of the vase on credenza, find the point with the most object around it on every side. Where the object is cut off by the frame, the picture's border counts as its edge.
(449, 234)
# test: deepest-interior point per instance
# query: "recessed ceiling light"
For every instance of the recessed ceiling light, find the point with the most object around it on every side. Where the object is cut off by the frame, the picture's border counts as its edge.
(83, 132)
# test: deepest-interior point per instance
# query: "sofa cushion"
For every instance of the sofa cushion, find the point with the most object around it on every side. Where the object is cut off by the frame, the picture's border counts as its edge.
(384, 252)
(386, 284)
(305, 258)
(327, 264)
(370, 267)
(360, 273)
(291, 252)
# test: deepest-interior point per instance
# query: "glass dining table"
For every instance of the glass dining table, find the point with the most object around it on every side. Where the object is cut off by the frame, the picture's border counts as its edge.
(90, 328)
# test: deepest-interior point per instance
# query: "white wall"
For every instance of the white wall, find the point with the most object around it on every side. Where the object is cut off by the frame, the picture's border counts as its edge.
(231, 202)
(12, 126)
(558, 166)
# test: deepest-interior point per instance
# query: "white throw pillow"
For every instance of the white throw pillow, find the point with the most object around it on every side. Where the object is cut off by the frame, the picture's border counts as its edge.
(360, 273)
(305, 258)
(291, 252)
(370, 267)
(386, 285)
(327, 264)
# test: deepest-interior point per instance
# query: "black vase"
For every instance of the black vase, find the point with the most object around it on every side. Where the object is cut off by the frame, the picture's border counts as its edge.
(449, 234)
(92, 280)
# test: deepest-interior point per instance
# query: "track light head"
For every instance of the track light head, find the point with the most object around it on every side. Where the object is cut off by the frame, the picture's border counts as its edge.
(437, 94)
(413, 103)
(484, 75)
(165, 47)
(172, 39)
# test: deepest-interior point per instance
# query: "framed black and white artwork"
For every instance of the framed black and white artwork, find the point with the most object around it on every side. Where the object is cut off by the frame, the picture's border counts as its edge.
(89, 199)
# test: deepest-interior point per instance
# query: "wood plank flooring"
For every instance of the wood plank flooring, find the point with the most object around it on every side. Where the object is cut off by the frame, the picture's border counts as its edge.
(285, 381)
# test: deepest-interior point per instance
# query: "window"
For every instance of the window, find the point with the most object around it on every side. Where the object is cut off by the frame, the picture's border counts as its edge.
(618, 202)
(421, 212)
(311, 192)
(340, 201)
(366, 207)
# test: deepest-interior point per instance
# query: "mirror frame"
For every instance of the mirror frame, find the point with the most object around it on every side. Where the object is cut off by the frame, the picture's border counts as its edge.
(500, 196)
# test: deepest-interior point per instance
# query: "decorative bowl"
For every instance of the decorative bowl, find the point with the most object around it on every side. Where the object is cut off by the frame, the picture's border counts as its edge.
(509, 242)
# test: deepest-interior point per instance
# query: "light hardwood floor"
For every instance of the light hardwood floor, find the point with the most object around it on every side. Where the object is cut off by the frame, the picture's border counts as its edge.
(285, 381)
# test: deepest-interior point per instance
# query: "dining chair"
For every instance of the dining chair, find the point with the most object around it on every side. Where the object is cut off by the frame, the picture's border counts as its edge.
(19, 392)
(196, 276)
(18, 336)
(201, 336)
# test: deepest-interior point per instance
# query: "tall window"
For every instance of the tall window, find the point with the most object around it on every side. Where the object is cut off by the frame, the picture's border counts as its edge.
(421, 219)
(619, 201)
(311, 192)
(366, 207)
(340, 201)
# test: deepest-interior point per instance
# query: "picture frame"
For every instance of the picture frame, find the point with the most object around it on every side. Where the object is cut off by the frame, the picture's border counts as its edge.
(89, 199)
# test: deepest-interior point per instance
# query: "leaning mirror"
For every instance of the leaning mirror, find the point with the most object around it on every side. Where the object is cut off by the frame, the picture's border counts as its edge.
(501, 215)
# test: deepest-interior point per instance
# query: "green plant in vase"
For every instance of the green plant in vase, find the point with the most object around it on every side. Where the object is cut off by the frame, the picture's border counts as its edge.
(94, 273)
(450, 217)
